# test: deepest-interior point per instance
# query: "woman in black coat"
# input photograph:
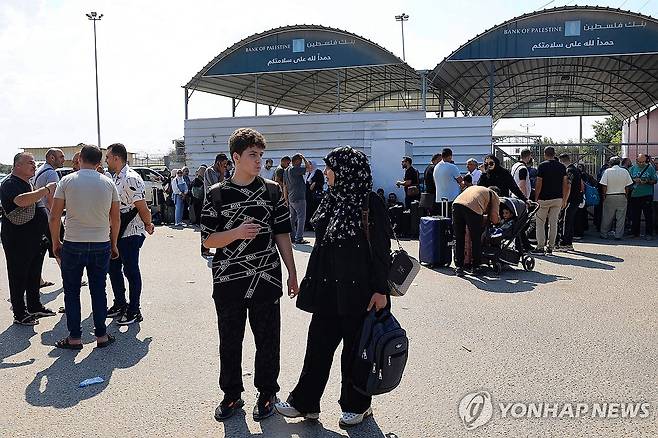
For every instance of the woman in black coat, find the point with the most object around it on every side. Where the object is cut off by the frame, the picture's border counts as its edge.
(498, 176)
(346, 277)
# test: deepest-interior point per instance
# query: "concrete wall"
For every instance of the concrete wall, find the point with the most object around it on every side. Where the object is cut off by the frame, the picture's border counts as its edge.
(381, 135)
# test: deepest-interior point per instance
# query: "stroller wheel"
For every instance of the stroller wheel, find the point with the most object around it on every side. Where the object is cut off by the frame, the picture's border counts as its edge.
(497, 267)
(528, 263)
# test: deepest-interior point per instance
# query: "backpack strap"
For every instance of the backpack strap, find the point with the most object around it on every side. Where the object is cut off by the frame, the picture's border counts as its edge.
(272, 188)
(42, 172)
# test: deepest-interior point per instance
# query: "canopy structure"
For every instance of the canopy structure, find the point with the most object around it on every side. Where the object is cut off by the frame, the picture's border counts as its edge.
(316, 69)
(568, 61)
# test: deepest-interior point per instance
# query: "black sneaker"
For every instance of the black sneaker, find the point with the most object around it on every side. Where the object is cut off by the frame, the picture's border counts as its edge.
(459, 272)
(265, 407)
(302, 242)
(227, 408)
(26, 319)
(116, 310)
(537, 251)
(130, 317)
(43, 312)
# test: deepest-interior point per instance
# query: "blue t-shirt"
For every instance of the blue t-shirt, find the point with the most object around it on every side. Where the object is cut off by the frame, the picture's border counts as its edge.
(648, 175)
(445, 178)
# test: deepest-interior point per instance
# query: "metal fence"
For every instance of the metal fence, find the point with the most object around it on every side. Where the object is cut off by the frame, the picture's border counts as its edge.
(592, 155)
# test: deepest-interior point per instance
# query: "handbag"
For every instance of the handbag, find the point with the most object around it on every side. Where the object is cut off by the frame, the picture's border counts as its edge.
(413, 191)
(403, 269)
(21, 215)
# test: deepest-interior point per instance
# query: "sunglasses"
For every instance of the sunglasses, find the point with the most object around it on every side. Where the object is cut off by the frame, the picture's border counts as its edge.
(490, 163)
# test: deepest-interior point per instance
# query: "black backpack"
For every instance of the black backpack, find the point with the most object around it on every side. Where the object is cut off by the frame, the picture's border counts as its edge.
(380, 355)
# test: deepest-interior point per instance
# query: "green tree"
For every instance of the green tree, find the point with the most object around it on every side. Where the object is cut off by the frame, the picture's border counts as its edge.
(608, 131)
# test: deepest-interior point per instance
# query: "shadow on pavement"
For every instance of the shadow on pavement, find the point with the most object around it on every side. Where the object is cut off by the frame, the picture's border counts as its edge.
(513, 281)
(51, 296)
(582, 263)
(279, 427)
(57, 385)
(13, 341)
(599, 257)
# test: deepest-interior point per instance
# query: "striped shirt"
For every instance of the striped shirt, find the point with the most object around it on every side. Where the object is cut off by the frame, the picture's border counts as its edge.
(246, 269)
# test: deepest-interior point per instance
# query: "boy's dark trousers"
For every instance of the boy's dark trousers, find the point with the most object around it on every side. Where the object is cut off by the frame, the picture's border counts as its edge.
(265, 322)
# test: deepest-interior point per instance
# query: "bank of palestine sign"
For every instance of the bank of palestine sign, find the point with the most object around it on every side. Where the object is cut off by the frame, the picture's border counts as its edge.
(301, 50)
(565, 34)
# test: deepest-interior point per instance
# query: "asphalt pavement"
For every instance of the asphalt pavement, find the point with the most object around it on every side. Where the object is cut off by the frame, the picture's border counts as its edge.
(581, 328)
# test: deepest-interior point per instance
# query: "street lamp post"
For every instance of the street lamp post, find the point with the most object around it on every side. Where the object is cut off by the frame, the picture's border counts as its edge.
(402, 18)
(93, 16)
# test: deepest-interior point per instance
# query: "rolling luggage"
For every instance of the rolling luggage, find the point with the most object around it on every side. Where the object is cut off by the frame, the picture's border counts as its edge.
(414, 218)
(404, 225)
(435, 241)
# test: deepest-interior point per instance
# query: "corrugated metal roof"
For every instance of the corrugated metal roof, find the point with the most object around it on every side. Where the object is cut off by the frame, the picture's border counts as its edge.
(396, 86)
(622, 85)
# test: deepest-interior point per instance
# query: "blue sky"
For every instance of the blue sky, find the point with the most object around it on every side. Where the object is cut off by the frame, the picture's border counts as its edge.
(149, 49)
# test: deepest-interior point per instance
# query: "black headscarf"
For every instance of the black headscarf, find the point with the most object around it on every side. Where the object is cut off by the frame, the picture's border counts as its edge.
(341, 207)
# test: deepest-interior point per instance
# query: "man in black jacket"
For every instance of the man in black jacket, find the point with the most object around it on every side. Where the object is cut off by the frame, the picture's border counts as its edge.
(498, 176)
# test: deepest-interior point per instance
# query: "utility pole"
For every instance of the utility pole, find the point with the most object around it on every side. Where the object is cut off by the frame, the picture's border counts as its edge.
(93, 16)
(402, 18)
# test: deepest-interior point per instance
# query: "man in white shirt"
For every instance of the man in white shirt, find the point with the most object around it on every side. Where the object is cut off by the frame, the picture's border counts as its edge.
(46, 174)
(472, 167)
(521, 174)
(616, 183)
(448, 180)
(267, 172)
(135, 223)
(90, 238)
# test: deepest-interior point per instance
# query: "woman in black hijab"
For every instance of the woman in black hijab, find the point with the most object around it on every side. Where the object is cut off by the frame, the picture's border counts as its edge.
(345, 278)
(498, 176)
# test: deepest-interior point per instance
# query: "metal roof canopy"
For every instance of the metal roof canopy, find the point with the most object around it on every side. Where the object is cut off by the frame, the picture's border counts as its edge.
(308, 68)
(567, 61)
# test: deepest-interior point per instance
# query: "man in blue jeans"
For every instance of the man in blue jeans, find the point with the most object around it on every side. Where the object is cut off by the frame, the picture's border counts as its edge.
(295, 194)
(90, 238)
(135, 223)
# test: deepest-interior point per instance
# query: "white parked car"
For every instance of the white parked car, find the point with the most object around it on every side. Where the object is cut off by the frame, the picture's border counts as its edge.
(152, 183)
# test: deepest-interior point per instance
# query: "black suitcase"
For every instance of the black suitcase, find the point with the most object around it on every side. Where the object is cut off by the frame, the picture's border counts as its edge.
(404, 226)
(395, 215)
(414, 219)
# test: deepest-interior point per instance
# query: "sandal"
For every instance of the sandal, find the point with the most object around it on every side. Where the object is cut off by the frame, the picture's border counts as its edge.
(110, 340)
(66, 344)
(46, 284)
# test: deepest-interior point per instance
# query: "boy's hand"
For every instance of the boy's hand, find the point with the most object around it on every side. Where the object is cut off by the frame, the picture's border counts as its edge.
(248, 230)
(293, 287)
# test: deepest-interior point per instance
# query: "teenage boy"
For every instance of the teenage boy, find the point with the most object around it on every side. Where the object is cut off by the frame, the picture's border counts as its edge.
(246, 219)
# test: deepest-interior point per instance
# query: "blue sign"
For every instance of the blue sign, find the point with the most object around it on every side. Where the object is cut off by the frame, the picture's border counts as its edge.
(297, 50)
(565, 34)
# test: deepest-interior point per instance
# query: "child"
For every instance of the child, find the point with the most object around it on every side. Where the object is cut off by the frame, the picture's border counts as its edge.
(246, 219)
(468, 181)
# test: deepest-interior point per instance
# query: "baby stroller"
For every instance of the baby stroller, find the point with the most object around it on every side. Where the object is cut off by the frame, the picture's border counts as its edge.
(505, 247)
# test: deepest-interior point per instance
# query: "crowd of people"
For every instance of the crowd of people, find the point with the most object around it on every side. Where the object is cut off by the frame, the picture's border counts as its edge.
(625, 192)
(105, 225)
(251, 215)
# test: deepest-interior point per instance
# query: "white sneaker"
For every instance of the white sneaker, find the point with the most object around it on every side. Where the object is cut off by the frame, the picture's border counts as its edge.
(348, 419)
(285, 409)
